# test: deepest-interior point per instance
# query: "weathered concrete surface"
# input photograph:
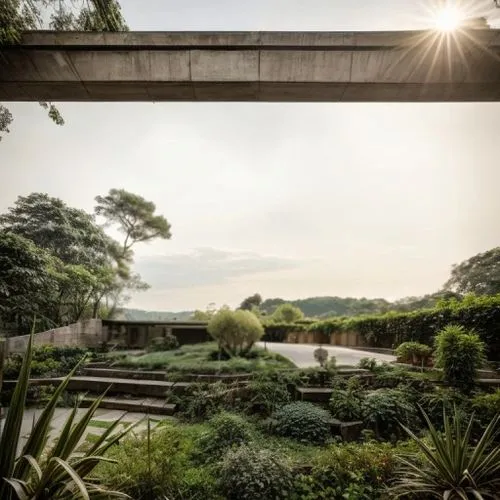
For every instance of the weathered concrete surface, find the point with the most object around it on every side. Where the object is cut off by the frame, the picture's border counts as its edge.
(253, 66)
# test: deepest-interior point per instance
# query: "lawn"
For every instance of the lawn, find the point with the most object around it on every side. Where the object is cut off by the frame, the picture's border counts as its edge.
(199, 358)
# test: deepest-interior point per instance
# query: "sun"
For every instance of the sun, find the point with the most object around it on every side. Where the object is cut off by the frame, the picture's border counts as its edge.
(449, 19)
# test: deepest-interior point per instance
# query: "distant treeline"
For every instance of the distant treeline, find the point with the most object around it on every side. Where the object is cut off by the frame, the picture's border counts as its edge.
(326, 307)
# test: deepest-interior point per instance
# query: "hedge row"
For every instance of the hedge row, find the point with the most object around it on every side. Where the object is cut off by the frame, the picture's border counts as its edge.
(389, 330)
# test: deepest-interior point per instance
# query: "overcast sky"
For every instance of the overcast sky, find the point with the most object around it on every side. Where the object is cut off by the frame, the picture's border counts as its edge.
(289, 200)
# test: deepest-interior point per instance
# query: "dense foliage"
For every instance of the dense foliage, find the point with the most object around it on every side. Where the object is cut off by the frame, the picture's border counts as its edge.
(287, 313)
(460, 353)
(31, 470)
(303, 421)
(479, 275)
(160, 344)
(481, 314)
(413, 352)
(225, 431)
(451, 464)
(235, 331)
(46, 361)
(251, 473)
(70, 269)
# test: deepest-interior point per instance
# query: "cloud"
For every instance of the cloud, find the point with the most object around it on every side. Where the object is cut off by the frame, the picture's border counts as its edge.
(207, 266)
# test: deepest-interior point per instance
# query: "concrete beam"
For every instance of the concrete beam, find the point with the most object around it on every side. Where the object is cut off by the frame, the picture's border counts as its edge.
(253, 66)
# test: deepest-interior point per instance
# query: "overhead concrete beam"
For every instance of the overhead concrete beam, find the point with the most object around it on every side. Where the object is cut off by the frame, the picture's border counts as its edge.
(253, 66)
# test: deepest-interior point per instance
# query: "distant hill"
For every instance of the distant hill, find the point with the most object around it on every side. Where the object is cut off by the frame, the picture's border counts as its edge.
(140, 315)
(313, 307)
(319, 307)
(324, 307)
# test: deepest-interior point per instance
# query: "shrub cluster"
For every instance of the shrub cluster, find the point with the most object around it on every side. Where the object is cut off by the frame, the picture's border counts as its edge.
(225, 430)
(167, 343)
(235, 331)
(389, 330)
(303, 421)
(251, 473)
(48, 361)
(460, 353)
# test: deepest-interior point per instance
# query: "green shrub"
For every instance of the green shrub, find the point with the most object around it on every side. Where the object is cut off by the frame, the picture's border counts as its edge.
(148, 468)
(225, 430)
(460, 353)
(203, 400)
(348, 471)
(444, 400)
(391, 329)
(368, 364)
(303, 421)
(413, 352)
(347, 404)
(267, 392)
(235, 331)
(248, 473)
(47, 361)
(487, 406)
(198, 483)
(385, 409)
(166, 343)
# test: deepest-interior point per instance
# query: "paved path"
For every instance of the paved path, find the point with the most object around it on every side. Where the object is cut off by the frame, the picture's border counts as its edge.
(302, 354)
(61, 414)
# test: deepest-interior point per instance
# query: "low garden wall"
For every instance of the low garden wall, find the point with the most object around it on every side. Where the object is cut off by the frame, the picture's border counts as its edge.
(83, 334)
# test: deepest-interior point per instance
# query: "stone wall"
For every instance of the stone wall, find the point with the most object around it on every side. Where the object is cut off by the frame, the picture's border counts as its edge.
(84, 334)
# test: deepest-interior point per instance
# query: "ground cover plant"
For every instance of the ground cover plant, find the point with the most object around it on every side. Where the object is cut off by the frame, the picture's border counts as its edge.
(206, 359)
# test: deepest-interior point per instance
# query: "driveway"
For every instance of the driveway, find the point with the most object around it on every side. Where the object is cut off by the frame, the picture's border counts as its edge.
(302, 354)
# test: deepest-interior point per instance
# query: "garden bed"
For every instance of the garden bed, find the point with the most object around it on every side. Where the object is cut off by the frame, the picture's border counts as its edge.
(201, 359)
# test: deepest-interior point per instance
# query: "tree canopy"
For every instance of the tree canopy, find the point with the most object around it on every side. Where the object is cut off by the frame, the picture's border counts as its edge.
(287, 313)
(251, 302)
(134, 216)
(479, 275)
(84, 272)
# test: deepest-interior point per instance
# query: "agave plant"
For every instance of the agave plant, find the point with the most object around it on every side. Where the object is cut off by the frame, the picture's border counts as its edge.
(450, 465)
(57, 473)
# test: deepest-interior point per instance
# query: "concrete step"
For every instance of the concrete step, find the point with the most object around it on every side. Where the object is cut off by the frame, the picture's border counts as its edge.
(151, 406)
(221, 377)
(96, 364)
(489, 382)
(123, 373)
(146, 388)
(314, 394)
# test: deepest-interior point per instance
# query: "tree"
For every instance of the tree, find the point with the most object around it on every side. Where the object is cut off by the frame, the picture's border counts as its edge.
(17, 16)
(90, 269)
(479, 275)
(68, 233)
(249, 303)
(287, 313)
(235, 331)
(28, 283)
(134, 216)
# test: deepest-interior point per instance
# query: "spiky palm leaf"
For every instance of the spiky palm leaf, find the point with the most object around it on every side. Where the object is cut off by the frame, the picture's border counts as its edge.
(451, 466)
(60, 475)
